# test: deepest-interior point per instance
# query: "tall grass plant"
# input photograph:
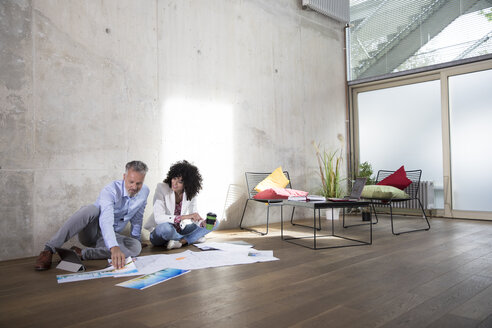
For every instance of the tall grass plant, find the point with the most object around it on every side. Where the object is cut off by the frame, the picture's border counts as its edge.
(330, 171)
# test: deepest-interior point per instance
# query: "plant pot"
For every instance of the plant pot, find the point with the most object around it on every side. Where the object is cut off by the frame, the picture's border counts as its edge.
(366, 216)
(335, 216)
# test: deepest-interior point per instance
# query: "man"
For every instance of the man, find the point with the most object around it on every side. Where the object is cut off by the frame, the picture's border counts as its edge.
(99, 225)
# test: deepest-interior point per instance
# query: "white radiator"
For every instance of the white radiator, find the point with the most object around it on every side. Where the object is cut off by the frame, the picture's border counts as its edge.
(426, 196)
(336, 9)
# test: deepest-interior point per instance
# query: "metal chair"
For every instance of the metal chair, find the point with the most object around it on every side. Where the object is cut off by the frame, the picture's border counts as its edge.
(412, 190)
(252, 180)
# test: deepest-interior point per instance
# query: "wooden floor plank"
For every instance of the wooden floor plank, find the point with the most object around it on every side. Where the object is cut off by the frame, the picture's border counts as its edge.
(438, 306)
(453, 321)
(478, 307)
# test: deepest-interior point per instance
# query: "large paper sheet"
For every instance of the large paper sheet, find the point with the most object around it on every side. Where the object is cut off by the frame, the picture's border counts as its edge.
(128, 269)
(152, 263)
(153, 278)
(189, 260)
(228, 247)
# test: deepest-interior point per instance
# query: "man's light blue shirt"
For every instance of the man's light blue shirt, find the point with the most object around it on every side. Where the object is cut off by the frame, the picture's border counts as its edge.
(117, 208)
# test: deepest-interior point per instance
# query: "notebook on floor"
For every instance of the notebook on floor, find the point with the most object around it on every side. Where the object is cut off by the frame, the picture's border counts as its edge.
(70, 261)
(355, 194)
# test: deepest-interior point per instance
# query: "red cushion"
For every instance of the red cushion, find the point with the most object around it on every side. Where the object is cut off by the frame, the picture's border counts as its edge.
(398, 179)
(279, 193)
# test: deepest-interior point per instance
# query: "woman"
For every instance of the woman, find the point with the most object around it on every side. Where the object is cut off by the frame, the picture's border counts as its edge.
(174, 202)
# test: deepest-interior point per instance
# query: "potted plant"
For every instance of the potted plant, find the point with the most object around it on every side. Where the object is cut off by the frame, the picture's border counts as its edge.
(330, 172)
(365, 171)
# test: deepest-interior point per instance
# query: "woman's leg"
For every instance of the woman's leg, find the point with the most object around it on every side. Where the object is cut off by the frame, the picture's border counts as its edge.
(163, 233)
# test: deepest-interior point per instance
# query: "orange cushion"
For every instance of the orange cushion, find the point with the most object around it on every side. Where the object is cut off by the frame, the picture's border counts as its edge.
(398, 179)
(276, 179)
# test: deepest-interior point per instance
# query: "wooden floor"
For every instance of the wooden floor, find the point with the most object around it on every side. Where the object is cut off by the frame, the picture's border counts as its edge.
(436, 278)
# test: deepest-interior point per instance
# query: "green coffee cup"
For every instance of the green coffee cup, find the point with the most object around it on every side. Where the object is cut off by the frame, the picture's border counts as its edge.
(210, 221)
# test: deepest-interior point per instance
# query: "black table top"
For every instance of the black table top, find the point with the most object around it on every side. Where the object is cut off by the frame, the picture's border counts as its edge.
(325, 203)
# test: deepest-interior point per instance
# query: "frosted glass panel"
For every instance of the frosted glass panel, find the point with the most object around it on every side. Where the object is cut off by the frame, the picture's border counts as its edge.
(402, 126)
(470, 104)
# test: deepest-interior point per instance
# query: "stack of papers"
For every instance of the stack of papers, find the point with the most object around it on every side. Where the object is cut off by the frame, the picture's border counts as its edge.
(307, 198)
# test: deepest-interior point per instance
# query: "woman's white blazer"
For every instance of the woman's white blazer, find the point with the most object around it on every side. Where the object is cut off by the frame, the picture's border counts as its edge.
(165, 204)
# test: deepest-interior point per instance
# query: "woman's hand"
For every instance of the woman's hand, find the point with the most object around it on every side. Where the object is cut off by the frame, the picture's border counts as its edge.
(195, 217)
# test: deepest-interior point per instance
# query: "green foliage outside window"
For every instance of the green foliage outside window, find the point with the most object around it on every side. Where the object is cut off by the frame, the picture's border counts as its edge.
(365, 171)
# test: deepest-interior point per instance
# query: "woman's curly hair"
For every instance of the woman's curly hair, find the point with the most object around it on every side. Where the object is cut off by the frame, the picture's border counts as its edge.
(192, 179)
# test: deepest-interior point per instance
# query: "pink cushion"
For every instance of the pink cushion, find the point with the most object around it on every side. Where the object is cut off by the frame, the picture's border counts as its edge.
(279, 193)
(398, 179)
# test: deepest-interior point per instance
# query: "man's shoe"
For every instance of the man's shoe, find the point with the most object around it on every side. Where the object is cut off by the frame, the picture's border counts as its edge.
(77, 250)
(201, 240)
(43, 262)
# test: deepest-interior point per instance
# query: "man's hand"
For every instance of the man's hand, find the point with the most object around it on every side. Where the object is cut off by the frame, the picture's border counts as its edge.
(117, 257)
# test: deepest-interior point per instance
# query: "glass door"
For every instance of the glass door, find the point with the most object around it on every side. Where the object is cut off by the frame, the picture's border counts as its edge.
(470, 118)
(401, 125)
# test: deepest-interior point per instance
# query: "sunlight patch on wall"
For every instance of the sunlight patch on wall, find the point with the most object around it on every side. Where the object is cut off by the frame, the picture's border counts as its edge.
(201, 133)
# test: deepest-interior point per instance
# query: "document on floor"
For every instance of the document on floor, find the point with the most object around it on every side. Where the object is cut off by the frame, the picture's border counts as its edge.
(260, 255)
(153, 263)
(189, 260)
(153, 278)
(211, 259)
(128, 269)
(229, 247)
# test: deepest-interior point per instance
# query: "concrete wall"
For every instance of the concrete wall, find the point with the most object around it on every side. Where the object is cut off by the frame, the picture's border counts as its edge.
(231, 85)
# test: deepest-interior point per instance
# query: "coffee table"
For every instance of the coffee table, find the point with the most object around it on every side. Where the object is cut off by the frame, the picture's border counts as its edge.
(317, 206)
